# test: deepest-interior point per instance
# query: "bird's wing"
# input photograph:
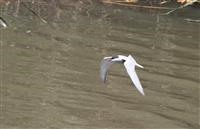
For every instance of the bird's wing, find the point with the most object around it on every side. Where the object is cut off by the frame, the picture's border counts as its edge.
(105, 65)
(130, 68)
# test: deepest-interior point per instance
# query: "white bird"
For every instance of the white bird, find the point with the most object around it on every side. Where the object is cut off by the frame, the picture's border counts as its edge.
(129, 63)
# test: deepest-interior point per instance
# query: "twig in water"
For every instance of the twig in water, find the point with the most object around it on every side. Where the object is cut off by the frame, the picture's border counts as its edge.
(34, 13)
(192, 20)
(137, 6)
(185, 5)
(17, 8)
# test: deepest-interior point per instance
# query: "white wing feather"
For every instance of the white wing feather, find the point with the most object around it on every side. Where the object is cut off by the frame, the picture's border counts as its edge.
(130, 68)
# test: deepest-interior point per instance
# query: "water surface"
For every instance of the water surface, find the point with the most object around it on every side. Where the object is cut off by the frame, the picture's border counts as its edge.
(50, 72)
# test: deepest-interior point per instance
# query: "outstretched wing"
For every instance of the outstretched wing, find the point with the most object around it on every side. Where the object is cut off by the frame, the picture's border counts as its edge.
(105, 65)
(130, 68)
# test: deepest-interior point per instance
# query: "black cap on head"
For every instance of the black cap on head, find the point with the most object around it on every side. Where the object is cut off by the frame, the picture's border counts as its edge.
(113, 57)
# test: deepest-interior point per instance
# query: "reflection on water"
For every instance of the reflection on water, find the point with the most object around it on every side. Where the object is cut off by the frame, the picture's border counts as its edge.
(50, 72)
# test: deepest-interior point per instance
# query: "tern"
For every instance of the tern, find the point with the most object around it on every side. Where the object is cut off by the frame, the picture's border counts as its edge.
(129, 63)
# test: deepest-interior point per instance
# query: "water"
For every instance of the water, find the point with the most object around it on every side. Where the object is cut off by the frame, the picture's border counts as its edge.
(50, 72)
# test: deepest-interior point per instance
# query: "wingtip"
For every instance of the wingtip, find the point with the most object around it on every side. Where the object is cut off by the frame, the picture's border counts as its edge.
(142, 92)
(103, 80)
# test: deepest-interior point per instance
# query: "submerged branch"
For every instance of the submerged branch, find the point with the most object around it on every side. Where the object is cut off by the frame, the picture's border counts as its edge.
(34, 13)
(185, 5)
(192, 20)
(137, 6)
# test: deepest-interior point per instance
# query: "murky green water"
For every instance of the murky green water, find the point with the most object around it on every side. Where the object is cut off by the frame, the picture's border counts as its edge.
(50, 72)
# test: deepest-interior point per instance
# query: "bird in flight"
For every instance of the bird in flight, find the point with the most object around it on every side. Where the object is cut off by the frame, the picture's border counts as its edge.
(129, 63)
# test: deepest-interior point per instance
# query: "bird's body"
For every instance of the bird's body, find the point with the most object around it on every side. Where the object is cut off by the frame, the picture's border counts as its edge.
(129, 63)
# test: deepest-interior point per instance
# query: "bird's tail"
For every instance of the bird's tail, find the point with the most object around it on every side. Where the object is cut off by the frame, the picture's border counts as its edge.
(139, 65)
